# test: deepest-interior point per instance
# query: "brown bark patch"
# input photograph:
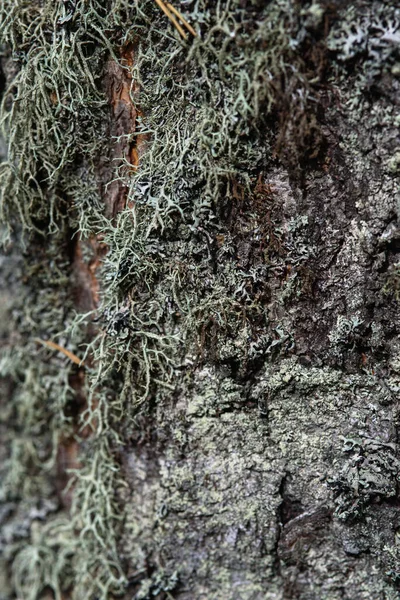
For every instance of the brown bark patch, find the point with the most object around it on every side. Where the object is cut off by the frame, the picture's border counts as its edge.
(124, 125)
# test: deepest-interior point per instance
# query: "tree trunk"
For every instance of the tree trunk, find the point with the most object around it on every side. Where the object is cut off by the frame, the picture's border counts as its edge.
(199, 298)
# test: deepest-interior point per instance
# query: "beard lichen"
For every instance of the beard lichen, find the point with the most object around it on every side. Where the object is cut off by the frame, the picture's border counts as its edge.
(176, 277)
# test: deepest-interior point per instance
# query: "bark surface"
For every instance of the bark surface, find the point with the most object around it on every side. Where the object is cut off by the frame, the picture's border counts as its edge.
(211, 225)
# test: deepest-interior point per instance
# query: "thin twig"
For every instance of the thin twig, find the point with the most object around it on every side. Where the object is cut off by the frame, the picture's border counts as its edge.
(75, 359)
(170, 11)
(178, 14)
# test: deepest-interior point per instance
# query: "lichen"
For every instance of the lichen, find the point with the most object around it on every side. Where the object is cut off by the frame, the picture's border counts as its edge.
(196, 277)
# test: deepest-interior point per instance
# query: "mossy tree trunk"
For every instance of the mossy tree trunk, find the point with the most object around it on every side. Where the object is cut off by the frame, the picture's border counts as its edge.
(199, 298)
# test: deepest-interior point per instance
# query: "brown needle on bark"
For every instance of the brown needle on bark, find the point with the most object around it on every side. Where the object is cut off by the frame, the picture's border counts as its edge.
(170, 11)
(75, 359)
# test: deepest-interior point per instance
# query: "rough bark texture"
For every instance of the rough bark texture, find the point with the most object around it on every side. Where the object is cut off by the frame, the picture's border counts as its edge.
(212, 225)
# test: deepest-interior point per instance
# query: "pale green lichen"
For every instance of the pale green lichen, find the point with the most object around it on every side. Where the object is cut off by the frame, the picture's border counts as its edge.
(181, 284)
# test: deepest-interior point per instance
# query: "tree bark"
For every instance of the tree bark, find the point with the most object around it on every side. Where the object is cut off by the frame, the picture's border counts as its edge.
(199, 295)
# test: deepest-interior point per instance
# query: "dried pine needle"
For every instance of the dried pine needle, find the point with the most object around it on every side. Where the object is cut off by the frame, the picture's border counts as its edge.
(170, 11)
(185, 23)
(75, 359)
